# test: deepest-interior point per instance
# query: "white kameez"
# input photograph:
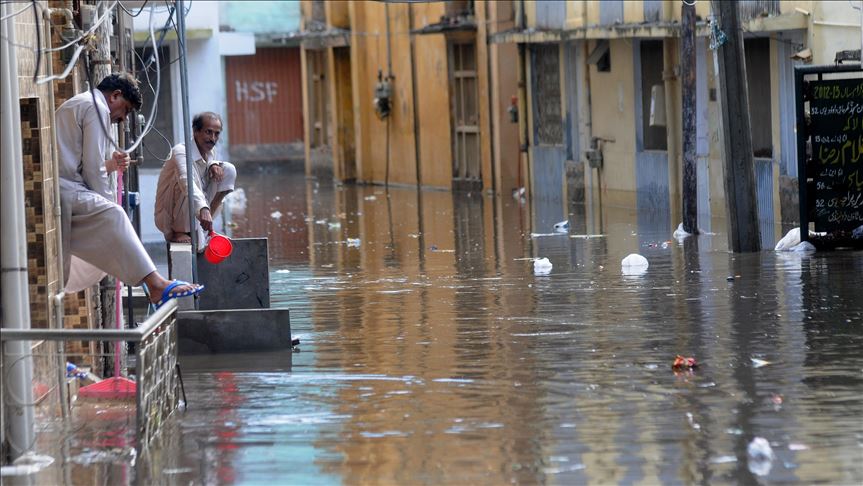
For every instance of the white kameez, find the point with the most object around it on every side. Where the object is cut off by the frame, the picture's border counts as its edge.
(171, 213)
(97, 236)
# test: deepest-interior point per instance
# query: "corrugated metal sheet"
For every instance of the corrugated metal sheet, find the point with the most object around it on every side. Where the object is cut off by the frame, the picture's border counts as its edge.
(764, 194)
(548, 182)
(757, 8)
(651, 181)
(611, 12)
(265, 99)
(550, 14)
(652, 10)
(703, 187)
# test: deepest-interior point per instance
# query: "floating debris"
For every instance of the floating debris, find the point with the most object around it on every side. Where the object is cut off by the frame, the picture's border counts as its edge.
(561, 227)
(758, 363)
(684, 363)
(542, 266)
(760, 456)
(634, 264)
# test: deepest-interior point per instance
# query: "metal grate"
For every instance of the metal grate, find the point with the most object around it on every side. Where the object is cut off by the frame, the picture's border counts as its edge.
(749, 9)
(546, 95)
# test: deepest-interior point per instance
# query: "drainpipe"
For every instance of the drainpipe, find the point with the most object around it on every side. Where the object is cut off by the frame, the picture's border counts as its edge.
(59, 310)
(187, 138)
(586, 116)
(417, 150)
(672, 114)
(389, 79)
(491, 100)
(18, 377)
(524, 137)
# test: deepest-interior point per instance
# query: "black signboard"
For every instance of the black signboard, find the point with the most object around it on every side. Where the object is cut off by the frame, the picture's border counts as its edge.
(830, 150)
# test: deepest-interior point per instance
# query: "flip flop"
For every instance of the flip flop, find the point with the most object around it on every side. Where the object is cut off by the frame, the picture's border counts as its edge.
(167, 295)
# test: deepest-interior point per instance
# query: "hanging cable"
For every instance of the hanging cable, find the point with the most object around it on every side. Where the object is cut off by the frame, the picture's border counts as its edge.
(149, 125)
(85, 35)
(9, 16)
(38, 30)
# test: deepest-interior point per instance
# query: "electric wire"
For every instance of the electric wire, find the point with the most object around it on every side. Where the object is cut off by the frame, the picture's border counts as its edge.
(150, 120)
(86, 34)
(130, 12)
(9, 16)
(38, 29)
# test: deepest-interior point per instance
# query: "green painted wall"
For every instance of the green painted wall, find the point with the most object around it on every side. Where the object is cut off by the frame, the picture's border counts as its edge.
(268, 17)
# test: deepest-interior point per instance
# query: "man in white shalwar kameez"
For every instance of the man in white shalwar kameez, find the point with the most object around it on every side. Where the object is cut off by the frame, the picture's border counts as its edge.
(212, 181)
(97, 236)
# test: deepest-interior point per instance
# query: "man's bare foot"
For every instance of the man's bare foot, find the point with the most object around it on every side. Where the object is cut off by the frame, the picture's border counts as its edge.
(180, 238)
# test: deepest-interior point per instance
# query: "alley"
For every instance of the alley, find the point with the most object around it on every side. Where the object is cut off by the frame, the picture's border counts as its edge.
(431, 353)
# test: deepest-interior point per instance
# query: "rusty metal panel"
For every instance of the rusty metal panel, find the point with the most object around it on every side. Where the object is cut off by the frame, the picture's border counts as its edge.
(750, 9)
(653, 10)
(265, 104)
(550, 14)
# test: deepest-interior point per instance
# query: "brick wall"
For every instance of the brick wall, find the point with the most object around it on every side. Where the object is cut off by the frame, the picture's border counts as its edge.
(39, 168)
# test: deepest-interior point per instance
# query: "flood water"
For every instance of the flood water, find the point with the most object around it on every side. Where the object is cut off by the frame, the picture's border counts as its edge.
(432, 354)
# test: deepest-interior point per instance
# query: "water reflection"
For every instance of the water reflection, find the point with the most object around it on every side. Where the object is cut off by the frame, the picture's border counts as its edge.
(431, 353)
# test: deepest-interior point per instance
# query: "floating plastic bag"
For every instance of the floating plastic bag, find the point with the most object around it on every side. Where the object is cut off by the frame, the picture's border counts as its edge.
(634, 264)
(542, 266)
(562, 227)
(760, 456)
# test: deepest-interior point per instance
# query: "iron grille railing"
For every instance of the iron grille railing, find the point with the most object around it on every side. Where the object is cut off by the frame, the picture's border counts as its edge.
(156, 375)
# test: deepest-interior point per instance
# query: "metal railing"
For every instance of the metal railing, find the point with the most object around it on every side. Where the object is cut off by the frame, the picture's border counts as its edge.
(156, 375)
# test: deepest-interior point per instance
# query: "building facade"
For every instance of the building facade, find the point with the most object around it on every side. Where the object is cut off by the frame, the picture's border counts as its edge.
(595, 88)
(410, 93)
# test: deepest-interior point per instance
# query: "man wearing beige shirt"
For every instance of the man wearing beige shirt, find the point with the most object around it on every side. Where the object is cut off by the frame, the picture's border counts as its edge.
(212, 181)
(97, 237)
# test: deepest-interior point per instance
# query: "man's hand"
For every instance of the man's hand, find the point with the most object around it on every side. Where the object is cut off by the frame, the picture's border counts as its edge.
(206, 219)
(217, 172)
(118, 161)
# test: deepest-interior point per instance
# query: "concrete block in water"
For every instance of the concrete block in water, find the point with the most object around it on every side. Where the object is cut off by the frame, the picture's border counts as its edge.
(242, 281)
(233, 330)
(180, 264)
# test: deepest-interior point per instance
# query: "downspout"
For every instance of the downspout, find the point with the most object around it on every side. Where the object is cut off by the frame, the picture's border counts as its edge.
(523, 137)
(417, 151)
(494, 189)
(187, 138)
(18, 362)
(59, 310)
(672, 114)
(417, 147)
(587, 114)
(389, 79)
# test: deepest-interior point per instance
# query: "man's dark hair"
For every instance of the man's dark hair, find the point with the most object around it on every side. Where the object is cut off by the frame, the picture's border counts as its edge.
(127, 85)
(198, 121)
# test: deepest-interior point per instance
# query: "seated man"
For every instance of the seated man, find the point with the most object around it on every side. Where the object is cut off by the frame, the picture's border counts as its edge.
(97, 236)
(212, 179)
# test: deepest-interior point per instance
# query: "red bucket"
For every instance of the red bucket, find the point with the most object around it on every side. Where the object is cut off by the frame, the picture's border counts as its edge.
(218, 248)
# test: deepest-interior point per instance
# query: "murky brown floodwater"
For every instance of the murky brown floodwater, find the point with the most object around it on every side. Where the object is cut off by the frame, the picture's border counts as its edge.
(431, 353)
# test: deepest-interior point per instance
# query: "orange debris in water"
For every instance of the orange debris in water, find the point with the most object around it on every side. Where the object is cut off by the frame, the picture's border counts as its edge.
(683, 363)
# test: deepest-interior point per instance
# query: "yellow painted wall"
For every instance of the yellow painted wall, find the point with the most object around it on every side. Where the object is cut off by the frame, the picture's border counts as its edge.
(337, 14)
(433, 100)
(504, 85)
(613, 117)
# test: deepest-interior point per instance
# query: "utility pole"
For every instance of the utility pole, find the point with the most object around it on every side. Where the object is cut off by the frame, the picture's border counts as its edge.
(690, 170)
(740, 201)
